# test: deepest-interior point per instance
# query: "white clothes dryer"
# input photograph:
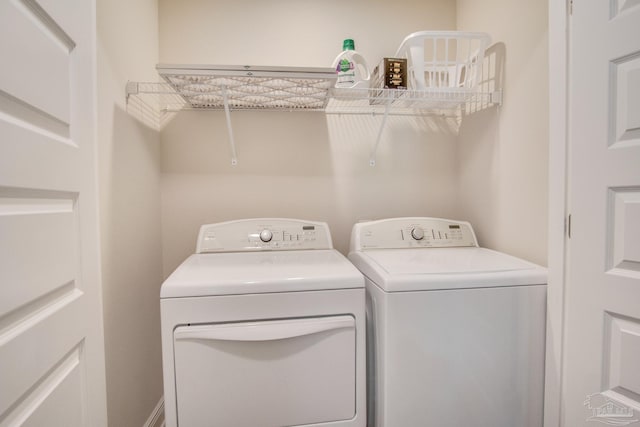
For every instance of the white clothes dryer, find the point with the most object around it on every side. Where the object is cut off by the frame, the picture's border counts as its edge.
(456, 332)
(264, 326)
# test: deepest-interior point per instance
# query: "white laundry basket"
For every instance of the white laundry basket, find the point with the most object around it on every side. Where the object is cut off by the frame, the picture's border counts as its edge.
(444, 60)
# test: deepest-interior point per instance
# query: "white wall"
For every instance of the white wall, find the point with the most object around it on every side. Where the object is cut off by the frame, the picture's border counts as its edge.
(304, 165)
(291, 32)
(502, 153)
(129, 179)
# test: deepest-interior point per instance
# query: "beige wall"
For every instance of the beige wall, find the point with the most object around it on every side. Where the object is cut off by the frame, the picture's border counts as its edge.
(502, 153)
(305, 165)
(129, 179)
(291, 32)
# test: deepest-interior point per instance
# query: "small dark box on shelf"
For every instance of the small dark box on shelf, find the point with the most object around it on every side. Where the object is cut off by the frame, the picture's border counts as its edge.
(391, 73)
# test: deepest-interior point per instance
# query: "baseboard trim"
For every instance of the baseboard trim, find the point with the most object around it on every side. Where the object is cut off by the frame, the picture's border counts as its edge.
(156, 419)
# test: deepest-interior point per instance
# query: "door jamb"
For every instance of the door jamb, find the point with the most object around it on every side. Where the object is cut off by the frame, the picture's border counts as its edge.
(559, 13)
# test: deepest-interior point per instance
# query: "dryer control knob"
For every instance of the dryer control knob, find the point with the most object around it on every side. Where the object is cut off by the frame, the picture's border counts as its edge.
(266, 235)
(417, 233)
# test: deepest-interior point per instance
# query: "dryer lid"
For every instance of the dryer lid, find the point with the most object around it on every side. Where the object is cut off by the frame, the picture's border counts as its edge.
(445, 268)
(237, 273)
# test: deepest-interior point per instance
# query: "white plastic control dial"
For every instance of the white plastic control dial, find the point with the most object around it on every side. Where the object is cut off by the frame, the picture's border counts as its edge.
(266, 235)
(417, 233)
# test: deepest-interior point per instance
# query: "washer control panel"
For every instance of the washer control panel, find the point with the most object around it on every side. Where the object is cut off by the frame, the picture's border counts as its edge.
(397, 233)
(262, 234)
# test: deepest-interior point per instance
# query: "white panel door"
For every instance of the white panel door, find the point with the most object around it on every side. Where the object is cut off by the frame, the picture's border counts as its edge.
(51, 342)
(602, 341)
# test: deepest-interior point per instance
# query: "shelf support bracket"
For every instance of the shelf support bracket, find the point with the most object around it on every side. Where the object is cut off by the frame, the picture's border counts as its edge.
(131, 89)
(372, 156)
(227, 113)
(496, 97)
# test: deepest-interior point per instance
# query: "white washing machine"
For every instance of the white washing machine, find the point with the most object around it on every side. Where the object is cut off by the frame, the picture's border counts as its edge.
(264, 327)
(456, 332)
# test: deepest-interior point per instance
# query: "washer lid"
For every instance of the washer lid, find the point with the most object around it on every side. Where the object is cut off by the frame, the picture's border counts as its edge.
(261, 272)
(445, 268)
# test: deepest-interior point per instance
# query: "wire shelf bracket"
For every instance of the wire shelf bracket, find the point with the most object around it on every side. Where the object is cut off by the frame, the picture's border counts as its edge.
(227, 113)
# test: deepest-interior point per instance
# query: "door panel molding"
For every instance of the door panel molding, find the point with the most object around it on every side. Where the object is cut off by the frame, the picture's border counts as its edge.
(51, 338)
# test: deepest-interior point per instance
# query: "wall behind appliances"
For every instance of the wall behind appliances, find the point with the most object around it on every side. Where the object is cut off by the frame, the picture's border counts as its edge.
(303, 164)
(129, 180)
(502, 153)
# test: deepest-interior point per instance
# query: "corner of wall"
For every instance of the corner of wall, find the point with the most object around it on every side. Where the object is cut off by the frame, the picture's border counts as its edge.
(129, 190)
(503, 158)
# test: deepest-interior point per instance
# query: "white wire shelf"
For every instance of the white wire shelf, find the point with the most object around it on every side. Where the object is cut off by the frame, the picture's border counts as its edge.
(398, 102)
(230, 88)
(165, 98)
(247, 87)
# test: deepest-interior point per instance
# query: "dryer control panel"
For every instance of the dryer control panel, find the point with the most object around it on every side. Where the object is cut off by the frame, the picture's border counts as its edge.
(263, 234)
(398, 233)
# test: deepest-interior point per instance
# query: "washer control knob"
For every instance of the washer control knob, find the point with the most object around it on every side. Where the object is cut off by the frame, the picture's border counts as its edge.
(266, 235)
(417, 233)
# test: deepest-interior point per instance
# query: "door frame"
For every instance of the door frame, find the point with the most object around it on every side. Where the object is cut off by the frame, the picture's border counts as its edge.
(558, 209)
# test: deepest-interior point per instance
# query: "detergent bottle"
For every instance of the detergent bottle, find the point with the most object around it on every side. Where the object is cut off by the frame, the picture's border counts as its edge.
(351, 67)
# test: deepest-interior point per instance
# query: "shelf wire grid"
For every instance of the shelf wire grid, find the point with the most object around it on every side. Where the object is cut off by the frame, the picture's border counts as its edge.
(403, 102)
(160, 98)
(252, 93)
